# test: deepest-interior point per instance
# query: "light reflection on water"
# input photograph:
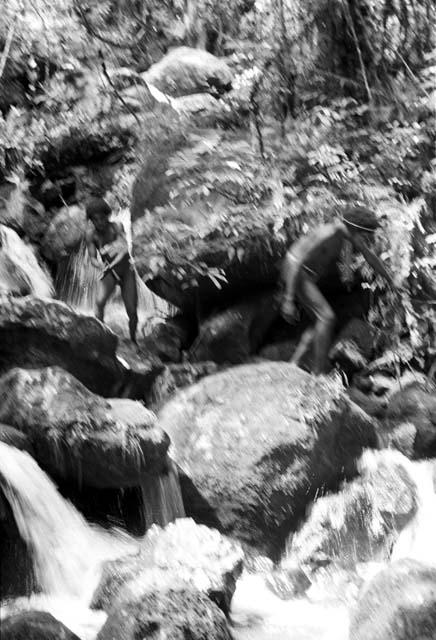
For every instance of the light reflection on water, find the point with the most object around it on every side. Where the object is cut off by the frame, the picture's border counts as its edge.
(258, 614)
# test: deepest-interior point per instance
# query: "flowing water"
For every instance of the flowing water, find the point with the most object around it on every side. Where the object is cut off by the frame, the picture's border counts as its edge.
(162, 498)
(77, 280)
(67, 551)
(323, 613)
(68, 554)
(20, 270)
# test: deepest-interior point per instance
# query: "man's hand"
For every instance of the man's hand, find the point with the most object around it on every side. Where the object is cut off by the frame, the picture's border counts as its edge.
(288, 309)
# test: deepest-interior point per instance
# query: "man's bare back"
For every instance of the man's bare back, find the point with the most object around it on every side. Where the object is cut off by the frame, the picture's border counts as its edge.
(309, 258)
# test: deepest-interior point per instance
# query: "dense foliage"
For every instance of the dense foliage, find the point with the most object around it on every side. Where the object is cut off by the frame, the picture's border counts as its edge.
(332, 102)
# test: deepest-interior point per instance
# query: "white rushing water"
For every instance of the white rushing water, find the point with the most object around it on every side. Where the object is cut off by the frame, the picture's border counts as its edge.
(68, 554)
(20, 270)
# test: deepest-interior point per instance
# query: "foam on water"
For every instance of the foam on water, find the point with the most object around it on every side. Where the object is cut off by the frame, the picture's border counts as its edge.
(20, 270)
(67, 552)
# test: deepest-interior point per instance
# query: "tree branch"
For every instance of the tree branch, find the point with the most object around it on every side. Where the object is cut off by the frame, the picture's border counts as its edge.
(93, 32)
(117, 93)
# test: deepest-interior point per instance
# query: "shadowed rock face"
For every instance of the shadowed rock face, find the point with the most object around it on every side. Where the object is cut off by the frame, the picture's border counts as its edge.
(39, 333)
(183, 552)
(35, 625)
(414, 407)
(398, 604)
(77, 434)
(255, 443)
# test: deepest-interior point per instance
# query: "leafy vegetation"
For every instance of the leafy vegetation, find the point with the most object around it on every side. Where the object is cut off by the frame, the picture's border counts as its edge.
(331, 103)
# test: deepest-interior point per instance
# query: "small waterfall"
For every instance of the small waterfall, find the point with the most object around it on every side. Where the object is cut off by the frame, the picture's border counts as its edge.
(77, 279)
(67, 551)
(162, 498)
(20, 270)
(417, 540)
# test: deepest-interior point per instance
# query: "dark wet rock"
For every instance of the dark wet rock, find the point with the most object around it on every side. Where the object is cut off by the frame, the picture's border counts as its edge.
(411, 413)
(15, 438)
(233, 335)
(185, 71)
(35, 625)
(168, 339)
(256, 442)
(279, 351)
(372, 405)
(54, 193)
(183, 552)
(362, 521)
(178, 376)
(173, 611)
(398, 604)
(37, 333)
(79, 435)
(354, 346)
(65, 233)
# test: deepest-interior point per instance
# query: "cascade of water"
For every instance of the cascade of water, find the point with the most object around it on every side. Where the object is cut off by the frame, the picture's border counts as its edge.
(20, 270)
(417, 540)
(77, 279)
(67, 551)
(162, 498)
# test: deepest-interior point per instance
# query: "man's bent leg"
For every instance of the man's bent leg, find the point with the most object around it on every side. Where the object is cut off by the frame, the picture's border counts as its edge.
(314, 302)
(129, 292)
(105, 289)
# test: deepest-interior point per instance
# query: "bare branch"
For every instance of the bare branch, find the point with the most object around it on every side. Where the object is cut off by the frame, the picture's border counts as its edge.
(117, 93)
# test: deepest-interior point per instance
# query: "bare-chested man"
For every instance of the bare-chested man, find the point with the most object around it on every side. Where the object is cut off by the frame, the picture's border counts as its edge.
(108, 240)
(308, 259)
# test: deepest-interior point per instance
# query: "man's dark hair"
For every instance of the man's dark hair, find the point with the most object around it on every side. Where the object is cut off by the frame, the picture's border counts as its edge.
(361, 218)
(97, 206)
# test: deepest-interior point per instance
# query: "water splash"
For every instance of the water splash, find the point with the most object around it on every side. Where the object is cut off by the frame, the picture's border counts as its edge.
(77, 280)
(417, 540)
(20, 270)
(67, 552)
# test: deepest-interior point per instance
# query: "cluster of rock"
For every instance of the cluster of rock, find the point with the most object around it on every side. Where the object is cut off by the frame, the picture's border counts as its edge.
(255, 444)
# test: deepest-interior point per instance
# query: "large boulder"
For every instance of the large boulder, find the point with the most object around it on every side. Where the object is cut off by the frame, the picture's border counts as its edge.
(184, 71)
(64, 233)
(411, 412)
(220, 233)
(77, 434)
(34, 625)
(233, 335)
(398, 604)
(40, 333)
(362, 521)
(185, 552)
(255, 444)
(173, 611)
